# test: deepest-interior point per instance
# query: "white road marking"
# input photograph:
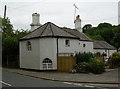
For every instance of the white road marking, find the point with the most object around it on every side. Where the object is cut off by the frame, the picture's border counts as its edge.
(67, 83)
(77, 84)
(89, 86)
(5, 83)
(83, 85)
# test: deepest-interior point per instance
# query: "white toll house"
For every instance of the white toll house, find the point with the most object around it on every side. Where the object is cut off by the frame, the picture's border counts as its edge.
(40, 49)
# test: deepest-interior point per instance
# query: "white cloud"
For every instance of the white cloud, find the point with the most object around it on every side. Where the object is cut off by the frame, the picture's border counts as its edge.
(60, 12)
(60, 0)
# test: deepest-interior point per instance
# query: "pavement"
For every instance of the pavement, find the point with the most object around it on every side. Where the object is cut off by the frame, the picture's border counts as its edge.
(108, 77)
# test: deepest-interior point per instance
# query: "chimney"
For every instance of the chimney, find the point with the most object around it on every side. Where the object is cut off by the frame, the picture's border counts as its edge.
(35, 21)
(77, 23)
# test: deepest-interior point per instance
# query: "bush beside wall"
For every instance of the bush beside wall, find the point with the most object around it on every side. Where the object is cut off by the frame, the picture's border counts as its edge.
(86, 63)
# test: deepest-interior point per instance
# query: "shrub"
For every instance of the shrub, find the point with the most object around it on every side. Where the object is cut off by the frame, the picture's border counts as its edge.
(81, 67)
(95, 66)
(83, 57)
(98, 54)
(115, 60)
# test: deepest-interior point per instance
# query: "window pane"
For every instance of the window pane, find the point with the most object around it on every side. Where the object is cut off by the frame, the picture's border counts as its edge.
(47, 60)
(44, 66)
(67, 42)
(50, 65)
(29, 48)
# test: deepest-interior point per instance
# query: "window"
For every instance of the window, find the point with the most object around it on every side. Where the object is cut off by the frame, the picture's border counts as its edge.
(67, 43)
(29, 47)
(84, 45)
(47, 64)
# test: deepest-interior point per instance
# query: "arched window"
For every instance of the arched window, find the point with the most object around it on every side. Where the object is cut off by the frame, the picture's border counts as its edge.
(29, 46)
(47, 63)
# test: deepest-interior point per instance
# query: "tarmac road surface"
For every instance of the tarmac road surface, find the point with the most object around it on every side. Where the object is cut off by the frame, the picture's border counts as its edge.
(15, 80)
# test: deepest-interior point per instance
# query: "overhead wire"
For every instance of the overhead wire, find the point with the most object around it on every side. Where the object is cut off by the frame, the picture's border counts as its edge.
(24, 6)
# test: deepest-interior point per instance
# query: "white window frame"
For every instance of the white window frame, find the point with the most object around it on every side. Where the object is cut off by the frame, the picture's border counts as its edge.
(29, 46)
(47, 64)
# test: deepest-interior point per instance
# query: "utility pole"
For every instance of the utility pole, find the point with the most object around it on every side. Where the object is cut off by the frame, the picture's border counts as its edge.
(75, 10)
(4, 21)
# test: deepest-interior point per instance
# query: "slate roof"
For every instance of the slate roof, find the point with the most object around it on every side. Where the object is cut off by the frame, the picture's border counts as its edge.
(51, 30)
(102, 45)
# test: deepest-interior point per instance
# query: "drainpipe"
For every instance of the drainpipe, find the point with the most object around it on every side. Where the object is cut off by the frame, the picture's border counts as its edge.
(57, 51)
(108, 53)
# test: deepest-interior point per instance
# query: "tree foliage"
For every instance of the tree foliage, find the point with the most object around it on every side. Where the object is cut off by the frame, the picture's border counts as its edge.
(10, 43)
(107, 32)
(87, 26)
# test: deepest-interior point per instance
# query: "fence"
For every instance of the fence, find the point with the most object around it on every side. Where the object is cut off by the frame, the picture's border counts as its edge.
(65, 63)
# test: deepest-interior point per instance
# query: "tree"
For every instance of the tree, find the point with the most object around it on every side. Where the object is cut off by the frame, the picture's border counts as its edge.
(97, 37)
(7, 27)
(87, 26)
(10, 44)
(105, 31)
(116, 39)
(104, 25)
(107, 34)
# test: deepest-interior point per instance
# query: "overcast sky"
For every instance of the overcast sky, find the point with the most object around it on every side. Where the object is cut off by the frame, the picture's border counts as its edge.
(60, 12)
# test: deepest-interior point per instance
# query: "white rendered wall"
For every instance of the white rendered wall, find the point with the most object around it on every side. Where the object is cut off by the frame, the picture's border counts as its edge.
(112, 51)
(75, 46)
(48, 49)
(108, 52)
(30, 59)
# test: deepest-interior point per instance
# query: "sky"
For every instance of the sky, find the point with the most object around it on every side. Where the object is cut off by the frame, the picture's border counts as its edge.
(60, 12)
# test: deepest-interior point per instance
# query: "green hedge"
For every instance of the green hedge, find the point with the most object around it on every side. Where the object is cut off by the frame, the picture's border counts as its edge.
(93, 65)
(83, 57)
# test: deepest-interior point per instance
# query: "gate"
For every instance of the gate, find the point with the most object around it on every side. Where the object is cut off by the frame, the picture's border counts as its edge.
(65, 63)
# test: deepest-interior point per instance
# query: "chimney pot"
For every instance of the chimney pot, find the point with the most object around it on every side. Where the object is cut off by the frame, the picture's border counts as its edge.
(77, 23)
(35, 21)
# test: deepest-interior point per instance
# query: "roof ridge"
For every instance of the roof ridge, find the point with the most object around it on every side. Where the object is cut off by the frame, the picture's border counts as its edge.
(52, 30)
(44, 28)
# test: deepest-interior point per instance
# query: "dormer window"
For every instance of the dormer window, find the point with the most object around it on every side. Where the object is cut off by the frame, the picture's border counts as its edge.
(67, 43)
(29, 46)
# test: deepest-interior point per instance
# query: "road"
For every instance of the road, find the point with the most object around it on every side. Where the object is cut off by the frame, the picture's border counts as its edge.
(15, 80)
